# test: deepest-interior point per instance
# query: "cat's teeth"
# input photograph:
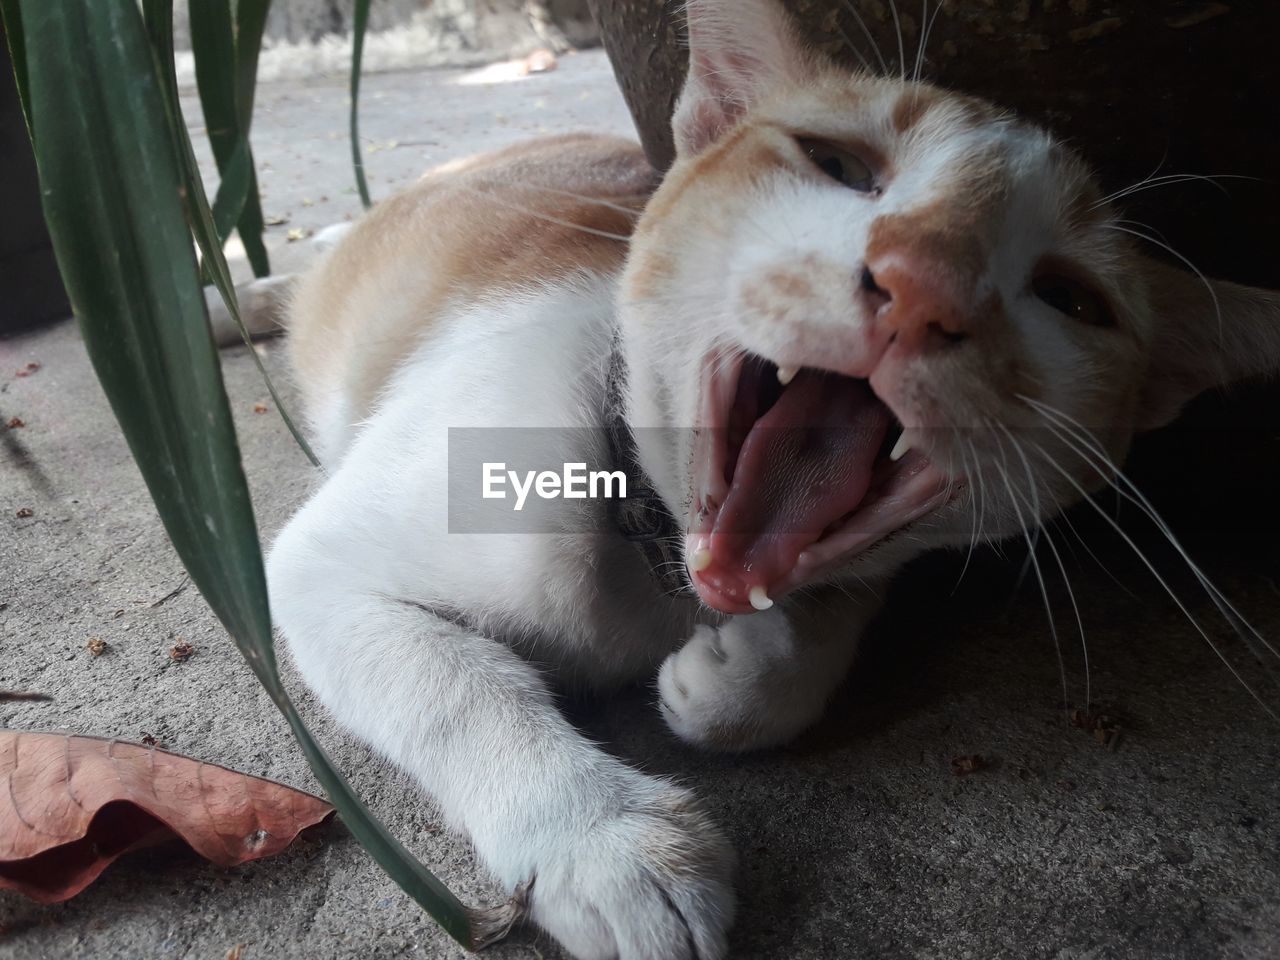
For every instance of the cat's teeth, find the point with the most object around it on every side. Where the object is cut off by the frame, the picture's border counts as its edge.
(786, 374)
(700, 560)
(900, 448)
(759, 598)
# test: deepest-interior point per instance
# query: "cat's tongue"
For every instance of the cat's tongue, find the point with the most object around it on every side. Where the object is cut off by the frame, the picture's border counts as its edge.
(803, 467)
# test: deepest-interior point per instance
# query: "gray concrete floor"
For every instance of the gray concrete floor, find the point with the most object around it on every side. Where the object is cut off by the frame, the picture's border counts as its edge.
(857, 842)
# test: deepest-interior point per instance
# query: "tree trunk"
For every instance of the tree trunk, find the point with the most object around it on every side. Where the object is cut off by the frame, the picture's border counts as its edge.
(1137, 86)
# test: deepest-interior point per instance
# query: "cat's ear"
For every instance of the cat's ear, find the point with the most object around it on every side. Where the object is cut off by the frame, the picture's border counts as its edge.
(1204, 339)
(738, 49)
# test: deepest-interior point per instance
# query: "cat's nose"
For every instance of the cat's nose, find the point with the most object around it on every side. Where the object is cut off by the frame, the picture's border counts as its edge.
(915, 300)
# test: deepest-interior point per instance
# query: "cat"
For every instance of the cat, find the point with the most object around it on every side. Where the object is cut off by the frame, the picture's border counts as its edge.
(860, 318)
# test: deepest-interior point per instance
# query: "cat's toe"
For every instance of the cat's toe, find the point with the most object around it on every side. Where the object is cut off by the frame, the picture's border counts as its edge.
(701, 688)
(733, 688)
(651, 883)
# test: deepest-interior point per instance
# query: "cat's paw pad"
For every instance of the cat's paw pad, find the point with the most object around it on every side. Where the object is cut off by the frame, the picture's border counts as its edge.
(735, 687)
(652, 881)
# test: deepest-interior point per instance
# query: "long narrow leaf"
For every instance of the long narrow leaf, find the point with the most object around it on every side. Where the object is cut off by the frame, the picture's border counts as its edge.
(93, 81)
(11, 20)
(358, 27)
(251, 23)
(158, 15)
(217, 59)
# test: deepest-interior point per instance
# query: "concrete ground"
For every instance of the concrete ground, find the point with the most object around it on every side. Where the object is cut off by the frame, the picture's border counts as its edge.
(860, 841)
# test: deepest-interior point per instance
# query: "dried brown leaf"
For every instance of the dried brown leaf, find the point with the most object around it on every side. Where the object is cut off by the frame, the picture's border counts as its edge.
(74, 804)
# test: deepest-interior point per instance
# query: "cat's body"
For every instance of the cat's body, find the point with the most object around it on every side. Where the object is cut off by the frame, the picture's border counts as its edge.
(536, 357)
(370, 607)
(910, 243)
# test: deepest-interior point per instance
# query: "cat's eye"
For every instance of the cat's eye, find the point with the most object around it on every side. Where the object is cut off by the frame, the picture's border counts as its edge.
(840, 165)
(1073, 299)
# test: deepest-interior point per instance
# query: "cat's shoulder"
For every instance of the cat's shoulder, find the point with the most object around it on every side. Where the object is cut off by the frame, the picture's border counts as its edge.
(477, 230)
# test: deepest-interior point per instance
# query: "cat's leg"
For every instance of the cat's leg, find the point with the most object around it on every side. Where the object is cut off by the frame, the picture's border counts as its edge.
(622, 865)
(757, 681)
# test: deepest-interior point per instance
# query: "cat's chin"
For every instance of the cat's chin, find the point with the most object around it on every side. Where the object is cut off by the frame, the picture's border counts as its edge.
(796, 473)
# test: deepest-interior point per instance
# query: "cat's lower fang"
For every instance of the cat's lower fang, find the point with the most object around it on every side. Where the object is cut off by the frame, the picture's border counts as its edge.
(758, 596)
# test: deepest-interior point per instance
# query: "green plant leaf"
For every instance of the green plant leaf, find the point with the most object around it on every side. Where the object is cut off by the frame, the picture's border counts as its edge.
(251, 22)
(158, 15)
(359, 24)
(11, 20)
(226, 70)
(93, 81)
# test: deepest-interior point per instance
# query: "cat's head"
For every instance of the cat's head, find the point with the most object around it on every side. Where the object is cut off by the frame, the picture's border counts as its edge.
(834, 257)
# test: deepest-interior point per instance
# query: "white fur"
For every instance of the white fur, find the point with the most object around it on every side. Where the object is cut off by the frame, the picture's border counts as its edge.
(754, 681)
(420, 640)
(357, 578)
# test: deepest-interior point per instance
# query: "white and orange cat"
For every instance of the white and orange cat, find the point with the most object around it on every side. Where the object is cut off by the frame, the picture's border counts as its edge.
(870, 317)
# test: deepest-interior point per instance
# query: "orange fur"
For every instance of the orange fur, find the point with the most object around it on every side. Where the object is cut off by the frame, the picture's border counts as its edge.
(470, 229)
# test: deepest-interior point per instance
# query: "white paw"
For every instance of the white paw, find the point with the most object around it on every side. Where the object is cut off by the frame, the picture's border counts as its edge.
(740, 686)
(328, 237)
(651, 881)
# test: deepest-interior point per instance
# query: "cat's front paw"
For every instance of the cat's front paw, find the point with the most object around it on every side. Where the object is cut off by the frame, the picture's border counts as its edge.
(741, 686)
(651, 881)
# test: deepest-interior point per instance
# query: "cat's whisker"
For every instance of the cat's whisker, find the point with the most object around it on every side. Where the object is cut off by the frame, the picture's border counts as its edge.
(1053, 548)
(670, 301)
(982, 501)
(539, 215)
(727, 355)
(766, 233)
(973, 526)
(582, 198)
(924, 20)
(1063, 518)
(973, 516)
(1217, 308)
(1169, 180)
(897, 29)
(926, 27)
(848, 42)
(1033, 547)
(814, 595)
(1085, 445)
(1160, 580)
(1145, 226)
(884, 67)
(631, 211)
(1154, 171)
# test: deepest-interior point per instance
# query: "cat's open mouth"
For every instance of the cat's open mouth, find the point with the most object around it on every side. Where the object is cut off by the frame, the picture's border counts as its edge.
(795, 472)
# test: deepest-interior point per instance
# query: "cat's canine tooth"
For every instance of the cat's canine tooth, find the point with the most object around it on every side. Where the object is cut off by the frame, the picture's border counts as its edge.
(700, 560)
(900, 448)
(759, 598)
(787, 374)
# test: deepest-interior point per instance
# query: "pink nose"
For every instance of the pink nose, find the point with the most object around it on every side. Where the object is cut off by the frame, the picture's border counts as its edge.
(916, 299)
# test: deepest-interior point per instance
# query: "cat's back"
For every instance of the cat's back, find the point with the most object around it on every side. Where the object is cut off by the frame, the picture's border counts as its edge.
(471, 230)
